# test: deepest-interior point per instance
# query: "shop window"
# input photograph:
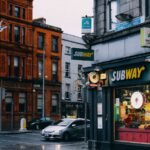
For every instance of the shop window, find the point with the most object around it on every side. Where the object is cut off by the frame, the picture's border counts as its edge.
(17, 34)
(67, 70)
(41, 41)
(55, 105)
(132, 114)
(22, 102)
(17, 11)
(39, 103)
(54, 44)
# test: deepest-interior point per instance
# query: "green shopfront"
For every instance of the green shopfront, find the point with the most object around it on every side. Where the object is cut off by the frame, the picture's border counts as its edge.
(120, 109)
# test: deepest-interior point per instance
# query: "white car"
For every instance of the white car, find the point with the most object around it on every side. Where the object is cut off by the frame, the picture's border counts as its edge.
(66, 129)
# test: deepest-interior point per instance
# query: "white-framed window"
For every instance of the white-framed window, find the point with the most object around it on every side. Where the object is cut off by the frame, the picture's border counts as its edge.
(67, 93)
(22, 102)
(8, 102)
(111, 14)
(55, 103)
(79, 94)
(67, 70)
(67, 50)
(39, 103)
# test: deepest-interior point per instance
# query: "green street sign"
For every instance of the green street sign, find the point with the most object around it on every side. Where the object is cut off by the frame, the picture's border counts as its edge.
(82, 54)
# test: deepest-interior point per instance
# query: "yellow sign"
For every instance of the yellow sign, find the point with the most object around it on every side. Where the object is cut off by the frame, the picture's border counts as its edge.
(127, 74)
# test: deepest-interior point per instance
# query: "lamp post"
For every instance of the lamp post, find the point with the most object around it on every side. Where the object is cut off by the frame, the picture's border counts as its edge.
(43, 86)
(2, 90)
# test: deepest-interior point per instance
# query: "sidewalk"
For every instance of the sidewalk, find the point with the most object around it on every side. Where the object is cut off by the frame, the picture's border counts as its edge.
(16, 132)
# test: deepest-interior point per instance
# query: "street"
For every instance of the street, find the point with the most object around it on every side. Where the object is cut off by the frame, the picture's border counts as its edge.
(34, 141)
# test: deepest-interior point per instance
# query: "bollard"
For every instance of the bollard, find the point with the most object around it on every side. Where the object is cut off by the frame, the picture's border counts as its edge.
(23, 126)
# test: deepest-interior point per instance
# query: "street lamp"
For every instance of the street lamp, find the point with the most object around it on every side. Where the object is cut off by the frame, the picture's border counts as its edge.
(43, 85)
(2, 90)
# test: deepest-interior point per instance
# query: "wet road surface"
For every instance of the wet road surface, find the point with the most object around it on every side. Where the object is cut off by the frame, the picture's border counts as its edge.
(34, 141)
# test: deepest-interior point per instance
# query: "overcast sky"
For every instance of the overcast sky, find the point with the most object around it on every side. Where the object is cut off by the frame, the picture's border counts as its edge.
(65, 14)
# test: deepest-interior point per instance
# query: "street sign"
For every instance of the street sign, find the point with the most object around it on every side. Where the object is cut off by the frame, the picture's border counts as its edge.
(86, 25)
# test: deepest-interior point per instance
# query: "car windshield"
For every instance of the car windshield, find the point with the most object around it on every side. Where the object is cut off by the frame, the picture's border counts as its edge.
(64, 122)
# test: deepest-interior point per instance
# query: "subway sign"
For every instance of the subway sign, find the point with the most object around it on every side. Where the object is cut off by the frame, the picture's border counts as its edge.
(129, 74)
(82, 54)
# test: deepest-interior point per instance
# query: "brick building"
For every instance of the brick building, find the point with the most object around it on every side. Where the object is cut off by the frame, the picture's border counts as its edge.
(21, 69)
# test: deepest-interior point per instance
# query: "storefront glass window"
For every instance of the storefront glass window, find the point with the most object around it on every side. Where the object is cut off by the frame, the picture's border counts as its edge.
(132, 114)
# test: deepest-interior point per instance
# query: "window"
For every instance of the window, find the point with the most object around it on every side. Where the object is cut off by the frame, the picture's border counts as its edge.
(9, 66)
(23, 13)
(23, 35)
(10, 32)
(39, 103)
(16, 66)
(132, 113)
(22, 102)
(40, 69)
(67, 70)
(55, 44)
(112, 12)
(8, 102)
(67, 93)
(10, 9)
(22, 68)
(55, 71)
(41, 41)
(67, 50)
(147, 8)
(79, 96)
(55, 104)
(17, 11)
(17, 34)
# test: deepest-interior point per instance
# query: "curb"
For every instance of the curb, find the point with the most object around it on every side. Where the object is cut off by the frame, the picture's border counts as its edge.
(14, 132)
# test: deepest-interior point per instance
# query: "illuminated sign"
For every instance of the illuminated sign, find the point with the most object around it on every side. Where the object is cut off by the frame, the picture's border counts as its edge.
(96, 79)
(127, 74)
(82, 54)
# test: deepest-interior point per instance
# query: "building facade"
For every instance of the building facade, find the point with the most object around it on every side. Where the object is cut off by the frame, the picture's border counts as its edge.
(72, 94)
(46, 69)
(21, 69)
(119, 101)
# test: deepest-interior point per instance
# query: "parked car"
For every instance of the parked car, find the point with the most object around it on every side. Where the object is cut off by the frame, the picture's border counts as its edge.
(39, 123)
(66, 129)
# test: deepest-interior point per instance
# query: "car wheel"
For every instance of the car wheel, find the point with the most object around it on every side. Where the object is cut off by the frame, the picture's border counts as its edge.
(66, 137)
(37, 127)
